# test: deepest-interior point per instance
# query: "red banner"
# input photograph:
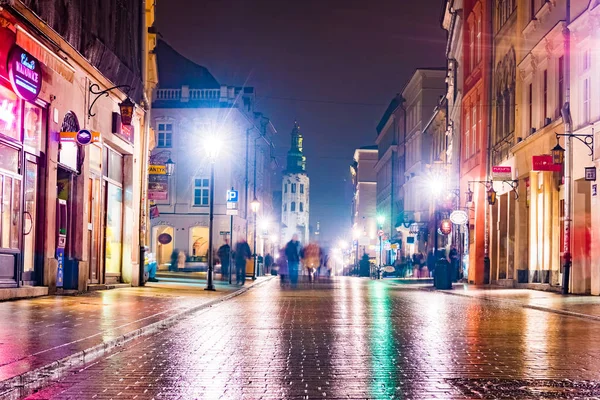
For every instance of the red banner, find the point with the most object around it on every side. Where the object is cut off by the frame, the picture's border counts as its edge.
(544, 162)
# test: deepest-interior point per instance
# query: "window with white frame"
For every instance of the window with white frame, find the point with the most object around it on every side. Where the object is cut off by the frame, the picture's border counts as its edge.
(586, 100)
(473, 129)
(201, 192)
(164, 135)
(467, 135)
(479, 48)
(471, 46)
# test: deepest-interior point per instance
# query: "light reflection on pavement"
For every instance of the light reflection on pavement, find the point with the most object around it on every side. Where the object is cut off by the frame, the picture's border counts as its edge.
(352, 338)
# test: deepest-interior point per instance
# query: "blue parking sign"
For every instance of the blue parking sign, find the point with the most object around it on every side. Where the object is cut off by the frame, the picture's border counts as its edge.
(232, 196)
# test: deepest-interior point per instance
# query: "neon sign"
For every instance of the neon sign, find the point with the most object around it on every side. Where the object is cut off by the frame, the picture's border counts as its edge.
(25, 74)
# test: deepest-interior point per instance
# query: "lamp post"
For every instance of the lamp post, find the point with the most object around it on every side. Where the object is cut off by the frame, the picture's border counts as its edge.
(380, 221)
(213, 147)
(255, 206)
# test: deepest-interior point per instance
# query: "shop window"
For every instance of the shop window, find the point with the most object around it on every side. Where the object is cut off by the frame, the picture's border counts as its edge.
(9, 159)
(114, 229)
(33, 128)
(199, 243)
(165, 135)
(69, 152)
(10, 114)
(95, 158)
(115, 166)
(201, 192)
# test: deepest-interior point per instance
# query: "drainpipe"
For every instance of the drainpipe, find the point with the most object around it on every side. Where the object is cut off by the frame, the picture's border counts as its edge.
(487, 219)
(568, 166)
(145, 150)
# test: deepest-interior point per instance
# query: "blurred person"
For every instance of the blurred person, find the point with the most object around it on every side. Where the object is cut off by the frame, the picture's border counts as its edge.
(283, 267)
(268, 263)
(292, 255)
(224, 254)
(311, 259)
(242, 255)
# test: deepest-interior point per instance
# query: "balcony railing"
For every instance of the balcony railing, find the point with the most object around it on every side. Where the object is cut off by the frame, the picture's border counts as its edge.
(191, 94)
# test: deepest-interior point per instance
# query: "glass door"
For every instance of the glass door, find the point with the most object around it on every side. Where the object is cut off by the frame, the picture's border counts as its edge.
(30, 221)
(94, 228)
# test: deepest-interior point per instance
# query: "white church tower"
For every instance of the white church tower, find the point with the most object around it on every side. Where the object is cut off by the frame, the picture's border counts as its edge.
(295, 206)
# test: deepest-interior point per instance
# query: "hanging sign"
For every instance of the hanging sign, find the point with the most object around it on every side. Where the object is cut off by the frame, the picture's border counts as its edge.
(154, 213)
(501, 173)
(157, 169)
(83, 137)
(164, 238)
(25, 73)
(158, 186)
(459, 217)
(446, 226)
(544, 162)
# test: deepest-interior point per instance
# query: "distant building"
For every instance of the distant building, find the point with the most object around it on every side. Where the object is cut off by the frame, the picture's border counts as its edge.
(189, 106)
(364, 202)
(296, 189)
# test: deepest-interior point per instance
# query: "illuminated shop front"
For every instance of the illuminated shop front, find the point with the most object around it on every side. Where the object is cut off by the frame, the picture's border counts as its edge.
(22, 142)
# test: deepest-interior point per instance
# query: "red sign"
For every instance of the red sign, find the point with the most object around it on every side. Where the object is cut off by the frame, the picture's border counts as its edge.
(25, 74)
(500, 172)
(446, 226)
(544, 162)
(119, 128)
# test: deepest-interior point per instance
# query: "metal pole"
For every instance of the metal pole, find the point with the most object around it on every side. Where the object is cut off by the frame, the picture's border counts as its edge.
(230, 245)
(568, 165)
(255, 258)
(209, 278)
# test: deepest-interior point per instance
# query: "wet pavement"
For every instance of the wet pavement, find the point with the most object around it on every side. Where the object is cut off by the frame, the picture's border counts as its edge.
(38, 332)
(351, 339)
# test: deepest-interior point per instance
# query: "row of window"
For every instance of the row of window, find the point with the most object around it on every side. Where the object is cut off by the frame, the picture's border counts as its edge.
(293, 188)
(549, 88)
(293, 206)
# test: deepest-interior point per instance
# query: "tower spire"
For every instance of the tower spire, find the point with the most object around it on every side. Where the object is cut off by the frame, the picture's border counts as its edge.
(296, 161)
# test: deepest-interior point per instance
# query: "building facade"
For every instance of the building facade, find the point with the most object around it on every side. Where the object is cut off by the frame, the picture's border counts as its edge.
(476, 60)
(190, 109)
(68, 210)
(364, 202)
(295, 204)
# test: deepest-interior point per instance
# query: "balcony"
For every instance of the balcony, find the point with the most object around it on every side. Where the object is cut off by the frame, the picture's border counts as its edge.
(188, 95)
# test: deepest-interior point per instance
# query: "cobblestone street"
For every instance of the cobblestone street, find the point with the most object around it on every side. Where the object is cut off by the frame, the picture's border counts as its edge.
(351, 339)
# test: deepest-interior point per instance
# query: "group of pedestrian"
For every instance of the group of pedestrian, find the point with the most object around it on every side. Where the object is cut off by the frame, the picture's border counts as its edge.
(240, 256)
(293, 255)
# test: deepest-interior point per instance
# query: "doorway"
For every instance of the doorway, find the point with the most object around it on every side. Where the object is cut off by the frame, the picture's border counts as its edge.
(95, 228)
(30, 216)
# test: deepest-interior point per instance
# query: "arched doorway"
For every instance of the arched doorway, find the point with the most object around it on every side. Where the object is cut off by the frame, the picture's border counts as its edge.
(162, 245)
(199, 243)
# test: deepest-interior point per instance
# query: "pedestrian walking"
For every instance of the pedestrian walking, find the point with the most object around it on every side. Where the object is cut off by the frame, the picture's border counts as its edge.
(431, 263)
(311, 259)
(268, 263)
(224, 254)
(242, 255)
(454, 262)
(283, 267)
(292, 255)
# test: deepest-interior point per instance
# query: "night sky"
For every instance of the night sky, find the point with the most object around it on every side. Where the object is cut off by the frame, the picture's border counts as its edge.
(333, 65)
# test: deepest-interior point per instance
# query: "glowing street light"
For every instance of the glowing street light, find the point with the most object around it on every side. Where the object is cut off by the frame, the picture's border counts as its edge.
(213, 146)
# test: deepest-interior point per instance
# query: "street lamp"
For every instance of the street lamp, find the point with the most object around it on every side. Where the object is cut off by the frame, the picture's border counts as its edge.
(380, 221)
(558, 153)
(255, 205)
(170, 167)
(213, 146)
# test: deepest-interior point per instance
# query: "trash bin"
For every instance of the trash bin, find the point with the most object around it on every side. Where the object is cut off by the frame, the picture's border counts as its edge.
(71, 274)
(443, 275)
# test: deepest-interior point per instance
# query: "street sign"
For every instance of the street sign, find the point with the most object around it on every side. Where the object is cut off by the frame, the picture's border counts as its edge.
(459, 217)
(501, 173)
(157, 169)
(590, 173)
(231, 212)
(82, 137)
(232, 196)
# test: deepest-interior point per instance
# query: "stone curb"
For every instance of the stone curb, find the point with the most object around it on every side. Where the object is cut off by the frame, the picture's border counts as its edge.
(25, 384)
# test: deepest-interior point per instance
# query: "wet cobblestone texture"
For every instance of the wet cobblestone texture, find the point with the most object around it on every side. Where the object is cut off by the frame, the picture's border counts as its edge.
(351, 339)
(37, 332)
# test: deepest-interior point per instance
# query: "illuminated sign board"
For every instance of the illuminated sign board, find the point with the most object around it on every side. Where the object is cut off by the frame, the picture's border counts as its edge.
(25, 74)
